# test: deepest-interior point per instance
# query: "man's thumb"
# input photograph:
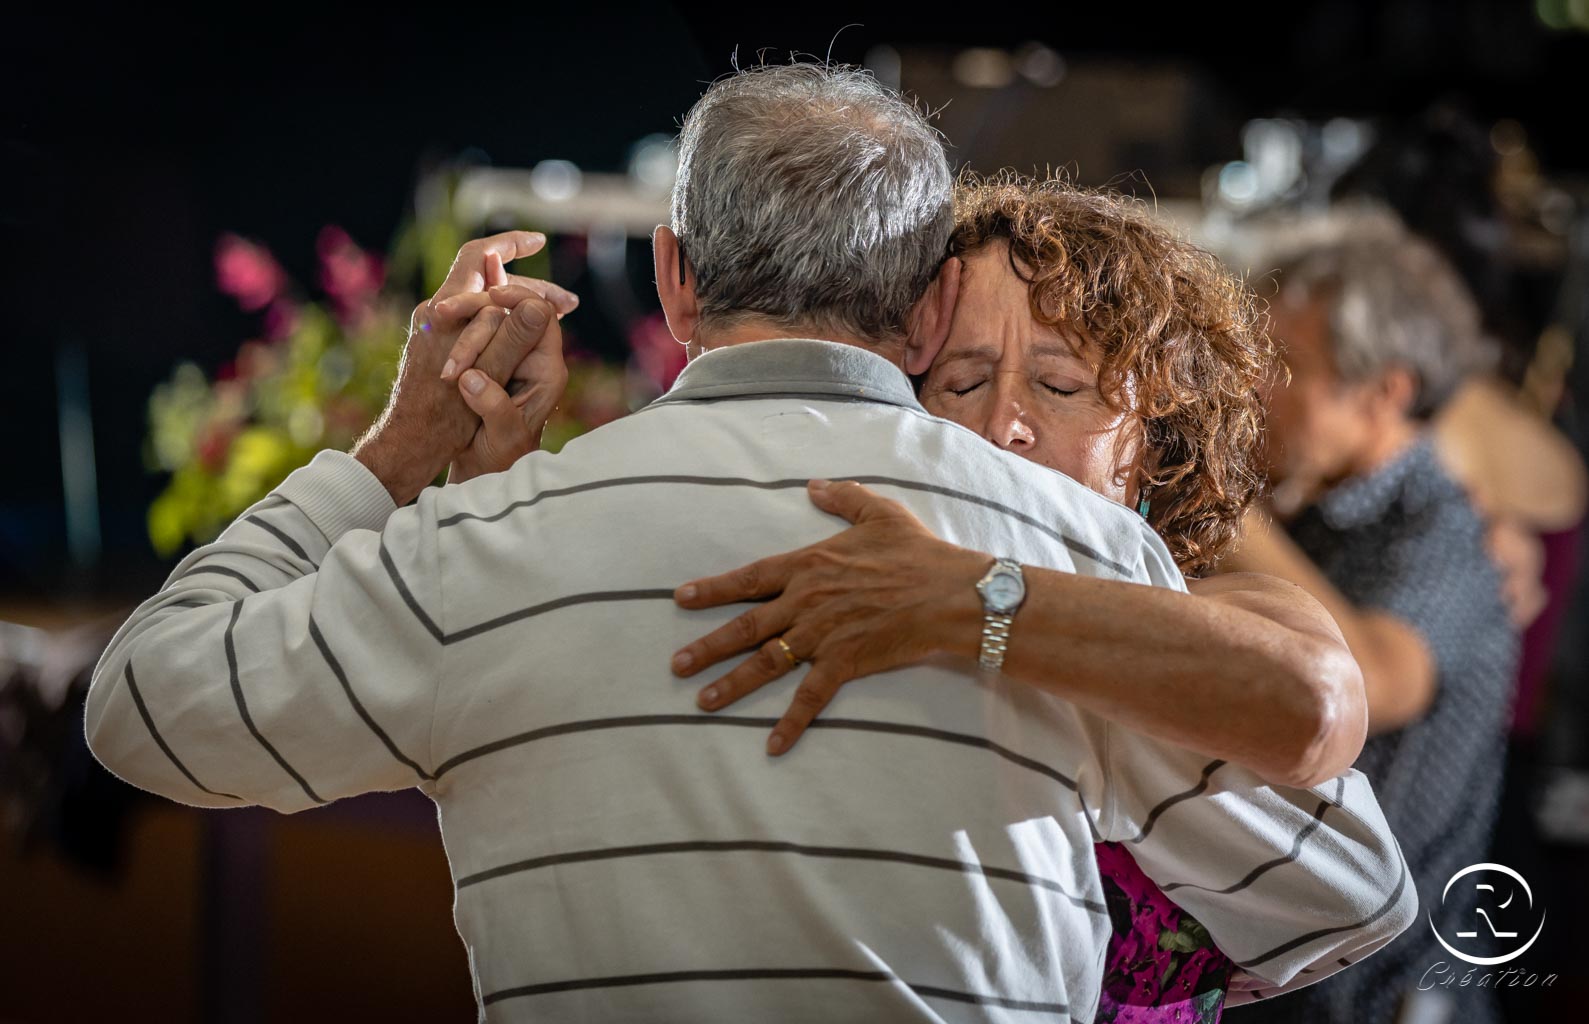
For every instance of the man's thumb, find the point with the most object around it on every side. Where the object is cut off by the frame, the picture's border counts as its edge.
(531, 317)
(505, 430)
(518, 335)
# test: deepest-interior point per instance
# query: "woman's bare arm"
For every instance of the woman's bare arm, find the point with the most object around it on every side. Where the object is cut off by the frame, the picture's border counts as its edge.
(1245, 668)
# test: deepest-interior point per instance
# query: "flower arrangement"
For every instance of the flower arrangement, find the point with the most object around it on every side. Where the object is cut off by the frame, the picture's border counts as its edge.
(319, 373)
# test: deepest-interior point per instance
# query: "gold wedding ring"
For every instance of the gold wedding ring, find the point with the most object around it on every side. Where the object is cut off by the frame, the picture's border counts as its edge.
(787, 653)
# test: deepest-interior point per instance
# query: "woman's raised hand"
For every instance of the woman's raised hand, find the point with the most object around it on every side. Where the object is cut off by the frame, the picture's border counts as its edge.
(480, 264)
(881, 595)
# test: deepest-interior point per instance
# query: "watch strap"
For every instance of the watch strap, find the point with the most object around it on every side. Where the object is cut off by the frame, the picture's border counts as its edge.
(995, 640)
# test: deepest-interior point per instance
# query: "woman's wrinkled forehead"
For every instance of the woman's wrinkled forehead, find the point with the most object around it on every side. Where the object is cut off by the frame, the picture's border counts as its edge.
(995, 313)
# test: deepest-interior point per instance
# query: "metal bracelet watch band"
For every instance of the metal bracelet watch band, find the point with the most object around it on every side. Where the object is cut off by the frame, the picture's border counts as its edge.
(1003, 590)
(995, 640)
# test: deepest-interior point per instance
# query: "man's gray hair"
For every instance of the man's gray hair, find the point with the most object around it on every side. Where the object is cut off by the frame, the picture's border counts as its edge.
(812, 196)
(1390, 299)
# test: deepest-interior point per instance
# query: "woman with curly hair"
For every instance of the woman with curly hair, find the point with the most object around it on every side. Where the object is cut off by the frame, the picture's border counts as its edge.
(1091, 340)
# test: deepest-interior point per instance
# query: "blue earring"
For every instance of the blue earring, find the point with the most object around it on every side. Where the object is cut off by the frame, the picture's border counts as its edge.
(1142, 508)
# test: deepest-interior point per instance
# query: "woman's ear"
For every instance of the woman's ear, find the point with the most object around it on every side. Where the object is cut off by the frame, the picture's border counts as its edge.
(675, 285)
(1136, 460)
(932, 317)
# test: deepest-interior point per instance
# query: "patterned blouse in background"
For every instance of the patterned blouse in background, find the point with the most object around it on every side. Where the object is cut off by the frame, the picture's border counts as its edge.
(1162, 968)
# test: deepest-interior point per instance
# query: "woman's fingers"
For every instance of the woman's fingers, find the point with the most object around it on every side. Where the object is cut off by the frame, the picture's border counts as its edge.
(461, 306)
(814, 693)
(466, 304)
(495, 273)
(759, 624)
(468, 273)
(768, 664)
(563, 300)
(476, 336)
(851, 500)
(759, 579)
(467, 348)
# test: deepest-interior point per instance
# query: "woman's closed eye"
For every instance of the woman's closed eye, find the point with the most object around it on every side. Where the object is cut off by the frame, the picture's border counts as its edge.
(1062, 387)
(964, 387)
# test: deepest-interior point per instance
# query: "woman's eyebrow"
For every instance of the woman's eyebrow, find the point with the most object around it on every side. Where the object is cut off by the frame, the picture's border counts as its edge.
(1055, 348)
(980, 352)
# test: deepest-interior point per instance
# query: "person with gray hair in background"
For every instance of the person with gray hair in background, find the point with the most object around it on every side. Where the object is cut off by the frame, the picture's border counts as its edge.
(503, 643)
(1378, 332)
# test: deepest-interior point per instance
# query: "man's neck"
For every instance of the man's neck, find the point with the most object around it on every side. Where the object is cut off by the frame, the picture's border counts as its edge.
(746, 331)
(1386, 444)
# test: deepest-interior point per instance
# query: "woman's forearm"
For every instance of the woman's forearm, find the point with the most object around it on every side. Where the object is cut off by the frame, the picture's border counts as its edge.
(1248, 669)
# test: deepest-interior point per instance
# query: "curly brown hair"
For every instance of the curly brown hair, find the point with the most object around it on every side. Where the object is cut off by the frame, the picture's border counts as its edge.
(1173, 325)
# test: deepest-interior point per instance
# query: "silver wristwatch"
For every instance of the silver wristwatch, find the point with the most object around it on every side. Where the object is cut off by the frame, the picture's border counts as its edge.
(1003, 589)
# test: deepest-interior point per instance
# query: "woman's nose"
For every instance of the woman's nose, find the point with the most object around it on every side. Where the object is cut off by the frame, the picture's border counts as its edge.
(1010, 427)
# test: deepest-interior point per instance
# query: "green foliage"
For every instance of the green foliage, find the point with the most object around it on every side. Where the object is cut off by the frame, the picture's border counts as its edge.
(227, 443)
(318, 378)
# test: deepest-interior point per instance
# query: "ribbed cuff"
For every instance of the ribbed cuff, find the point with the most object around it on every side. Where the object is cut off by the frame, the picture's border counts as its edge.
(338, 494)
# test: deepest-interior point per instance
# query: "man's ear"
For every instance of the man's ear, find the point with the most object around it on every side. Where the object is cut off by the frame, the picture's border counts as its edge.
(1394, 392)
(932, 317)
(675, 284)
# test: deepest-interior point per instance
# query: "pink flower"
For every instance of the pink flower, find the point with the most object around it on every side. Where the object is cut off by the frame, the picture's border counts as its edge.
(247, 272)
(281, 319)
(659, 357)
(213, 445)
(351, 276)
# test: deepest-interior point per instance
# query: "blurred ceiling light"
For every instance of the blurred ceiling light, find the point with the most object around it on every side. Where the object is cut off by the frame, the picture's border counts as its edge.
(1040, 65)
(1507, 137)
(1556, 211)
(654, 163)
(1238, 183)
(1273, 150)
(1344, 139)
(983, 68)
(884, 63)
(1578, 12)
(555, 181)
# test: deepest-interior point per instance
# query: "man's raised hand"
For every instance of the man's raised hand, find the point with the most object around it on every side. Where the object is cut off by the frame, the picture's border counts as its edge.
(427, 424)
(511, 423)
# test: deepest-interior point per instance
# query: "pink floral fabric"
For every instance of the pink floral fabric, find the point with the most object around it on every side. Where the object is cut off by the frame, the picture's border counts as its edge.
(1162, 967)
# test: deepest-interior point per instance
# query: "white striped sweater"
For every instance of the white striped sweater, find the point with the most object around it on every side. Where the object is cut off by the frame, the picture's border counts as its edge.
(925, 854)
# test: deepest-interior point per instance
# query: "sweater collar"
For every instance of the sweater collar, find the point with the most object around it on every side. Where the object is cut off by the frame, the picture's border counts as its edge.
(792, 367)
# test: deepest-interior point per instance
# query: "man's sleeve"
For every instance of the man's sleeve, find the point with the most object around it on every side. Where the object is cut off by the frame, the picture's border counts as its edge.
(286, 664)
(1292, 884)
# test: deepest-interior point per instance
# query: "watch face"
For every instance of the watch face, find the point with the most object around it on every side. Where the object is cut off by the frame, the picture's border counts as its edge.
(1004, 591)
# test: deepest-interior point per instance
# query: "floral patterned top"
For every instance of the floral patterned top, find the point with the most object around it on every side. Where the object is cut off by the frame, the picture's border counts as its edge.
(1162, 968)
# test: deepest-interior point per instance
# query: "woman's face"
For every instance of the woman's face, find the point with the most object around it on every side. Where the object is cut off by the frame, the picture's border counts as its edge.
(1029, 388)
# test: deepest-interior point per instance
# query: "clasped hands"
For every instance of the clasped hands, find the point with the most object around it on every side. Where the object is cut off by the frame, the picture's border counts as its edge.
(481, 372)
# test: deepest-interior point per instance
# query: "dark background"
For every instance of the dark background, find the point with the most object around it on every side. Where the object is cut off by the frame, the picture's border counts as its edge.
(132, 140)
